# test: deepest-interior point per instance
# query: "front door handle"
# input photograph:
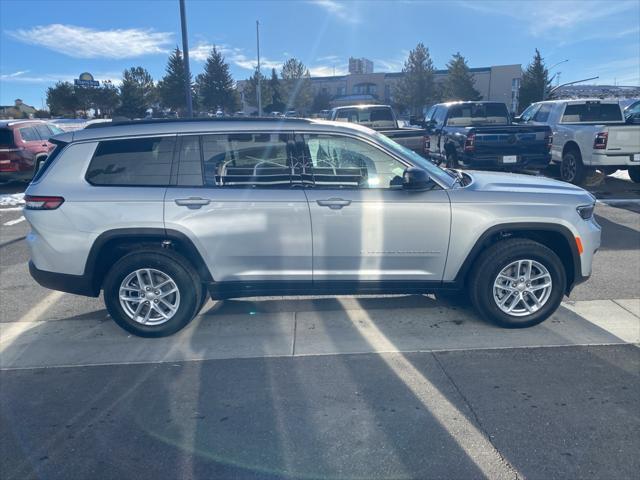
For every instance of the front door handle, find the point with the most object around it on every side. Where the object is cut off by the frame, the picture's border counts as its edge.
(334, 203)
(192, 202)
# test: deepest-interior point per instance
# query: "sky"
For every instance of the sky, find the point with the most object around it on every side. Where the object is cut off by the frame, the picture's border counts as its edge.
(45, 41)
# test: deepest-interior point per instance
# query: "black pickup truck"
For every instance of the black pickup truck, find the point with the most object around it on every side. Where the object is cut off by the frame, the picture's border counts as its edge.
(480, 135)
(382, 118)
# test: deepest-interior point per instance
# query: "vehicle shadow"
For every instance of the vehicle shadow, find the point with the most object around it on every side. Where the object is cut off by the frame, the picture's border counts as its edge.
(618, 237)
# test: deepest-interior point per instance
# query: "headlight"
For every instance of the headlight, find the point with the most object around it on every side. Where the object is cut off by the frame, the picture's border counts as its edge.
(586, 211)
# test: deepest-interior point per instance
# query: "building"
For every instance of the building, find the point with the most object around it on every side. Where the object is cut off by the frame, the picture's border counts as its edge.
(498, 83)
(18, 110)
(359, 66)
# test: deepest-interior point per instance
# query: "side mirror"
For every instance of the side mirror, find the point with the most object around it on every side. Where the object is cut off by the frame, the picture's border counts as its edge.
(415, 178)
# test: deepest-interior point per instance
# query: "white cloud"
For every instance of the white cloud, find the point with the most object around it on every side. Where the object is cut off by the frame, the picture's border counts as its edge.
(233, 55)
(546, 17)
(327, 70)
(82, 42)
(347, 12)
(21, 77)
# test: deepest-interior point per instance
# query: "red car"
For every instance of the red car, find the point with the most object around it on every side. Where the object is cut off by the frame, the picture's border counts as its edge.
(24, 145)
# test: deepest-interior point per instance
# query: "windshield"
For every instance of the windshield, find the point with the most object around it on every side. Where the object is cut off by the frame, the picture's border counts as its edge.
(369, 117)
(469, 114)
(434, 171)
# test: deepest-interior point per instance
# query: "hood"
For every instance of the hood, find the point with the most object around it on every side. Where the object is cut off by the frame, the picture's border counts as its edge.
(499, 182)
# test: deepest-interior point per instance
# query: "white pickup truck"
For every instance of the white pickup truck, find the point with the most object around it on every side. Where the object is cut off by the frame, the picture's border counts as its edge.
(588, 135)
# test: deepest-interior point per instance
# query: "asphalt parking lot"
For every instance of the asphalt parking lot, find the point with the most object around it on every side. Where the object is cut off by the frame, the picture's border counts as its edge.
(326, 387)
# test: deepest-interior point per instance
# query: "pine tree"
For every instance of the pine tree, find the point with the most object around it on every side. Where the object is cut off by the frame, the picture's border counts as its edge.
(251, 88)
(535, 83)
(296, 86)
(276, 104)
(215, 87)
(137, 93)
(171, 87)
(416, 88)
(459, 82)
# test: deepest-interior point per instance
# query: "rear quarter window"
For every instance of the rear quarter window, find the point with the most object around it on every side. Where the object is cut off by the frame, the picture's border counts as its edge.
(6, 136)
(139, 161)
(28, 134)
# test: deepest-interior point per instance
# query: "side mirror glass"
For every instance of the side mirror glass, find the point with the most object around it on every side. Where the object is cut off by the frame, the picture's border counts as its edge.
(415, 178)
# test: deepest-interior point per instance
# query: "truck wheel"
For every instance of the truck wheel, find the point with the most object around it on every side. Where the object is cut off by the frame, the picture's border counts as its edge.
(634, 174)
(152, 293)
(517, 283)
(572, 169)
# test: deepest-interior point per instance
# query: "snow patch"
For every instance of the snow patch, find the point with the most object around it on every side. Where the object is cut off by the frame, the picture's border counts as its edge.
(13, 200)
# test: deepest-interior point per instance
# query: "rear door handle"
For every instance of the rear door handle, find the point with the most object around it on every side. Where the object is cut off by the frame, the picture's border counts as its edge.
(334, 203)
(192, 202)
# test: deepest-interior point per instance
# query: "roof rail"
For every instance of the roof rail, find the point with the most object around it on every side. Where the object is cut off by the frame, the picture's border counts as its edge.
(192, 120)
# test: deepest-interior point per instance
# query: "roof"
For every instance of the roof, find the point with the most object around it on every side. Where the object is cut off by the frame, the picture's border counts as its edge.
(202, 126)
(372, 105)
(9, 123)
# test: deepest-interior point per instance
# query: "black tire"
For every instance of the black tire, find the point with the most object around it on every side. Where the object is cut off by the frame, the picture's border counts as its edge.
(169, 263)
(572, 169)
(634, 174)
(493, 260)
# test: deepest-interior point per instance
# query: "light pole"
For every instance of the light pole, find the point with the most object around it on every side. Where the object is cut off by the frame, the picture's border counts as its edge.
(544, 86)
(185, 56)
(259, 90)
(554, 89)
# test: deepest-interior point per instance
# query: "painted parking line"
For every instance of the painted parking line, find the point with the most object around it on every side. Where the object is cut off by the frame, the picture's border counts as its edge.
(14, 222)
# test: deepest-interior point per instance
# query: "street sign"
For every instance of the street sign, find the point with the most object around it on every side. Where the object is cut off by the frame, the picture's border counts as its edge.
(86, 80)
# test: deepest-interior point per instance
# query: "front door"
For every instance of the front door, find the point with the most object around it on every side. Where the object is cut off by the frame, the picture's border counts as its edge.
(233, 197)
(366, 228)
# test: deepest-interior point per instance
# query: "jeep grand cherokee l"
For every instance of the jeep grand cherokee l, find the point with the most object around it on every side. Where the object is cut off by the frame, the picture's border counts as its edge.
(160, 214)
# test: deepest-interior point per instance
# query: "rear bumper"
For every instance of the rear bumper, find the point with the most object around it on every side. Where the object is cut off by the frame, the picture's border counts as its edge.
(496, 162)
(614, 160)
(64, 282)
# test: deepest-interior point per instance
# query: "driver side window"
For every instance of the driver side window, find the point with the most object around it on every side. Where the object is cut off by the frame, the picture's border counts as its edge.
(344, 162)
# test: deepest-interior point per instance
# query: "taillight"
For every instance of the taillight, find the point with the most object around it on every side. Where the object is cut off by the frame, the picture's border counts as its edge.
(470, 142)
(33, 202)
(427, 143)
(600, 142)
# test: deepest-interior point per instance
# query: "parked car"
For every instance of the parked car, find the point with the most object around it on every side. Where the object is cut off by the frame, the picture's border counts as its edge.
(382, 118)
(588, 135)
(480, 135)
(291, 114)
(234, 219)
(632, 113)
(24, 146)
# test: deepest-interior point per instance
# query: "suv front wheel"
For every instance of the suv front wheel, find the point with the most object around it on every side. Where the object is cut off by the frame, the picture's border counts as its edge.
(517, 283)
(152, 293)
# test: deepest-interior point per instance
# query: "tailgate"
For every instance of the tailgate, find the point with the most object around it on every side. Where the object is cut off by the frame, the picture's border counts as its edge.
(511, 140)
(623, 139)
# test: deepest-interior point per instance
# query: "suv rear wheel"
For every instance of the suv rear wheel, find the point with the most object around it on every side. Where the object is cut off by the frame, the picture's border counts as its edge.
(152, 294)
(517, 283)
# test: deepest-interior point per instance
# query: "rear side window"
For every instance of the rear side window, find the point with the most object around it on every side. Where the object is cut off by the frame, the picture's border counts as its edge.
(139, 161)
(246, 159)
(592, 112)
(6, 137)
(28, 134)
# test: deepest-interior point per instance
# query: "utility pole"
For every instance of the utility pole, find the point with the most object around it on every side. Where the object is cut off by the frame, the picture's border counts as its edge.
(185, 56)
(259, 90)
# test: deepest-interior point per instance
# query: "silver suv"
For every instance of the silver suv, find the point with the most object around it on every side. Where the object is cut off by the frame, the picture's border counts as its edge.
(160, 214)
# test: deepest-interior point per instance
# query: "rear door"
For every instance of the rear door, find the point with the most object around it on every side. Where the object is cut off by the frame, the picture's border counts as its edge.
(232, 195)
(365, 226)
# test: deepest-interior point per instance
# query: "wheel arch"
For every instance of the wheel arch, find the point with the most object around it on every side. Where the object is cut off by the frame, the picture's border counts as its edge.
(572, 145)
(557, 237)
(114, 244)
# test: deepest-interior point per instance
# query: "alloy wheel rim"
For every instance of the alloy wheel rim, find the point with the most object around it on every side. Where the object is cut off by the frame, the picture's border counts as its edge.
(149, 297)
(522, 288)
(569, 168)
